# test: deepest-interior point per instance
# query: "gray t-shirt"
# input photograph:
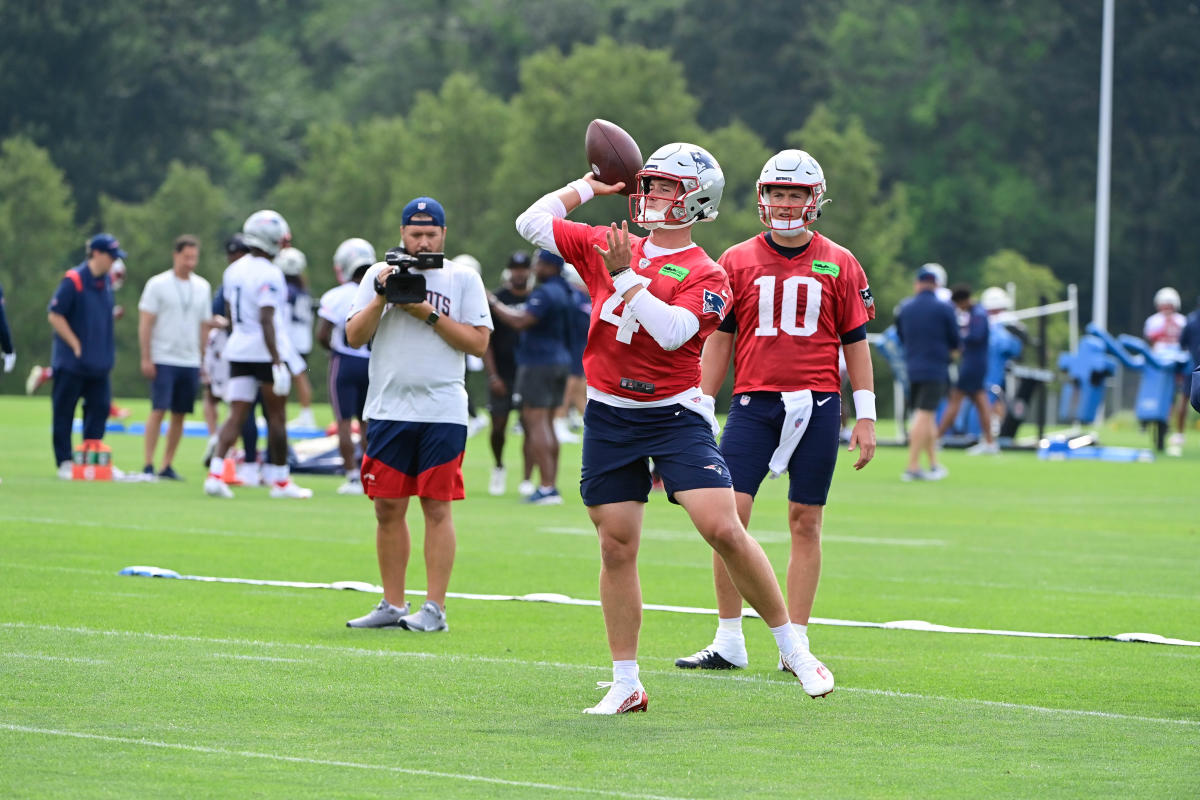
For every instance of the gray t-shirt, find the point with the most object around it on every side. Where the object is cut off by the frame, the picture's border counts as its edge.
(414, 375)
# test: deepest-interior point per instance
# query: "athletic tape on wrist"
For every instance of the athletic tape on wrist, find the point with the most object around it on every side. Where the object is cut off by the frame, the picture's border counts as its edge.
(583, 189)
(864, 404)
(627, 280)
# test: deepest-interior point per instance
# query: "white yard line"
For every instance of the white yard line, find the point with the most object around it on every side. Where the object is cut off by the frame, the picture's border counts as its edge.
(476, 659)
(322, 762)
(44, 657)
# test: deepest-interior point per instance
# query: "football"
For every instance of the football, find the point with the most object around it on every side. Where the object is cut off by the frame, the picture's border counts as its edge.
(612, 153)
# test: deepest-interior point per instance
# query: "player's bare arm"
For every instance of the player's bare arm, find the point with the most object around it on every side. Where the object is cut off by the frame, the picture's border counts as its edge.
(714, 361)
(862, 378)
(266, 318)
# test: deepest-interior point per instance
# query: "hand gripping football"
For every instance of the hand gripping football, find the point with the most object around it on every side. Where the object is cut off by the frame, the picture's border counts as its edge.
(612, 153)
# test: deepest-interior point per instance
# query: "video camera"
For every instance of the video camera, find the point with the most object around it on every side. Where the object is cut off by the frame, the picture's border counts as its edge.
(405, 286)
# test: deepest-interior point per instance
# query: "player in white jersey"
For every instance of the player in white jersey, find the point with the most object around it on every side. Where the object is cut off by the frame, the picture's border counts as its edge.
(254, 292)
(417, 408)
(1163, 329)
(348, 366)
(297, 320)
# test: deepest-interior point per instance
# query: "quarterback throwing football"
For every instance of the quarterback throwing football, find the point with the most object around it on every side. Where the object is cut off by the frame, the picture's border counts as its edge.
(654, 301)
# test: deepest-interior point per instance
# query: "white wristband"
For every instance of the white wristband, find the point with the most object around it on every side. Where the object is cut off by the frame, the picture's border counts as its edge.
(627, 280)
(864, 404)
(583, 189)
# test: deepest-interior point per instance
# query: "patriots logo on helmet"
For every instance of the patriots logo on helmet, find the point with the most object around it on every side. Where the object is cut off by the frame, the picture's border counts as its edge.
(713, 303)
(702, 161)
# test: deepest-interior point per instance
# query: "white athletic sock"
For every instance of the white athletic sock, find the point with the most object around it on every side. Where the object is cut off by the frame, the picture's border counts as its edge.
(785, 637)
(283, 474)
(729, 639)
(625, 672)
(269, 474)
(801, 633)
(216, 467)
(352, 475)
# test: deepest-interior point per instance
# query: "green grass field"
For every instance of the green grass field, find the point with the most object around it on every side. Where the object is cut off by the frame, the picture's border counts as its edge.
(130, 687)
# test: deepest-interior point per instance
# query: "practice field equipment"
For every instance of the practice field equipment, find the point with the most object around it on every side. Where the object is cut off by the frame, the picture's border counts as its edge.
(613, 154)
(92, 461)
(1086, 448)
(1157, 388)
(1088, 370)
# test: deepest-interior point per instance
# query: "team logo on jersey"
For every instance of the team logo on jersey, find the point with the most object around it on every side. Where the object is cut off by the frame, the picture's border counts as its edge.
(643, 263)
(825, 268)
(674, 271)
(702, 161)
(713, 303)
(867, 298)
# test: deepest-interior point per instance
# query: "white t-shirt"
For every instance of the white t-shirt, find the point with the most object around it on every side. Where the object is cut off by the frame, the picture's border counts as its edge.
(180, 308)
(300, 320)
(253, 283)
(335, 307)
(414, 375)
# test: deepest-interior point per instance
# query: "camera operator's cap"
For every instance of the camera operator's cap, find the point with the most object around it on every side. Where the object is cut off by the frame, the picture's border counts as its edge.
(424, 205)
(553, 259)
(106, 243)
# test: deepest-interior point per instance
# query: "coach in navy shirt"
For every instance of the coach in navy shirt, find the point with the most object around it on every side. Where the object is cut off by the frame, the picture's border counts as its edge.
(928, 329)
(543, 364)
(81, 314)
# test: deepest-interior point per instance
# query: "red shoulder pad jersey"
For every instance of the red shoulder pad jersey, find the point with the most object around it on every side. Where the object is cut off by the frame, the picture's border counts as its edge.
(791, 313)
(689, 279)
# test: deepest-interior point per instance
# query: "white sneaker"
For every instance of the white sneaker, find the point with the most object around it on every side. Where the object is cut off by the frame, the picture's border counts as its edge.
(563, 432)
(430, 618)
(304, 420)
(350, 487)
(622, 698)
(526, 488)
(814, 676)
(290, 490)
(384, 615)
(215, 487)
(984, 448)
(66, 471)
(1175, 445)
(937, 473)
(499, 482)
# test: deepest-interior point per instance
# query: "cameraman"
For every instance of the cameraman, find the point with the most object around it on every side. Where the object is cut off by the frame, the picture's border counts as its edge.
(417, 407)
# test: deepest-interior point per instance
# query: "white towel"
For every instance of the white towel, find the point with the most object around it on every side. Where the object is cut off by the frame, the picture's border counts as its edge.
(797, 411)
(705, 406)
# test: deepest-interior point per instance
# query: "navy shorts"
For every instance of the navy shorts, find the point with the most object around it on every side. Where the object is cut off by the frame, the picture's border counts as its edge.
(348, 385)
(969, 382)
(618, 443)
(752, 434)
(403, 459)
(926, 395)
(174, 389)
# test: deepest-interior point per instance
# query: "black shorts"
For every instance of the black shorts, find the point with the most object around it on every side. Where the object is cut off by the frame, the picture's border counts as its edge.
(925, 395)
(260, 371)
(502, 402)
(541, 385)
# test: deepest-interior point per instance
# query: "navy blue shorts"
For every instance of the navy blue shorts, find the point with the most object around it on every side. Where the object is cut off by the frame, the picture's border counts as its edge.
(348, 385)
(403, 459)
(970, 381)
(618, 443)
(174, 389)
(752, 434)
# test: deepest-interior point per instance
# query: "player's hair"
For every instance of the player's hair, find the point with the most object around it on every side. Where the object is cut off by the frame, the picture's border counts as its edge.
(960, 292)
(186, 240)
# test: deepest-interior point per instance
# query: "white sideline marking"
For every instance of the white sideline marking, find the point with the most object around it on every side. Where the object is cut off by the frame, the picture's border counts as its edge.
(126, 526)
(257, 658)
(323, 762)
(674, 673)
(43, 657)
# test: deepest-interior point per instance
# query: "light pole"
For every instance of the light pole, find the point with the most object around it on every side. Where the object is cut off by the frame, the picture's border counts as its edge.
(1103, 175)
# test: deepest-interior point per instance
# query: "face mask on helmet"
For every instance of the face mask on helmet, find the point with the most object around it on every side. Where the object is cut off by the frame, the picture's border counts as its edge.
(790, 168)
(698, 183)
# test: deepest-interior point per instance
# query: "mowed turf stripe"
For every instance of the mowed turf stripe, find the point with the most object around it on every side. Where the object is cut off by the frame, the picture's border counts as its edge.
(322, 762)
(690, 675)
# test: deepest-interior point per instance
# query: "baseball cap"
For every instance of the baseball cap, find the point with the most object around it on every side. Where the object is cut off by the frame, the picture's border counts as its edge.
(106, 243)
(924, 274)
(553, 259)
(424, 205)
(519, 259)
(236, 244)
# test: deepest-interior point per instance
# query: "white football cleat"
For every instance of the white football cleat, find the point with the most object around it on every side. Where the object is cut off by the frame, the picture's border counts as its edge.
(290, 490)
(499, 481)
(526, 488)
(814, 676)
(215, 487)
(350, 487)
(622, 698)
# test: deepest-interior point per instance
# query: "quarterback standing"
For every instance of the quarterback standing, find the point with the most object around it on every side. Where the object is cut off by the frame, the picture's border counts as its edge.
(797, 297)
(655, 300)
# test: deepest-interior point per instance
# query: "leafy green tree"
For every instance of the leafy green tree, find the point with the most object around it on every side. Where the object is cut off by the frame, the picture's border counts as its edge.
(1031, 282)
(38, 240)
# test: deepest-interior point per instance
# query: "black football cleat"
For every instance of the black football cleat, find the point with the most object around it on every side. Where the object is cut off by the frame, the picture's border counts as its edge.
(705, 659)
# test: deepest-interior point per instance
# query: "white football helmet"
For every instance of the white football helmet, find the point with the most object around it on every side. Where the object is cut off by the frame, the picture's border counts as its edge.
(701, 183)
(994, 298)
(268, 231)
(469, 261)
(350, 255)
(791, 168)
(1167, 296)
(291, 261)
(939, 273)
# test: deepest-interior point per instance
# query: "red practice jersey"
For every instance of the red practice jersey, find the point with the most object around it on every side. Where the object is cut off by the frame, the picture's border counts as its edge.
(624, 360)
(791, 313)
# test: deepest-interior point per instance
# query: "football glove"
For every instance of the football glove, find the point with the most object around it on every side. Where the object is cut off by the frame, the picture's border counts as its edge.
(281, 379)
(10, 361)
